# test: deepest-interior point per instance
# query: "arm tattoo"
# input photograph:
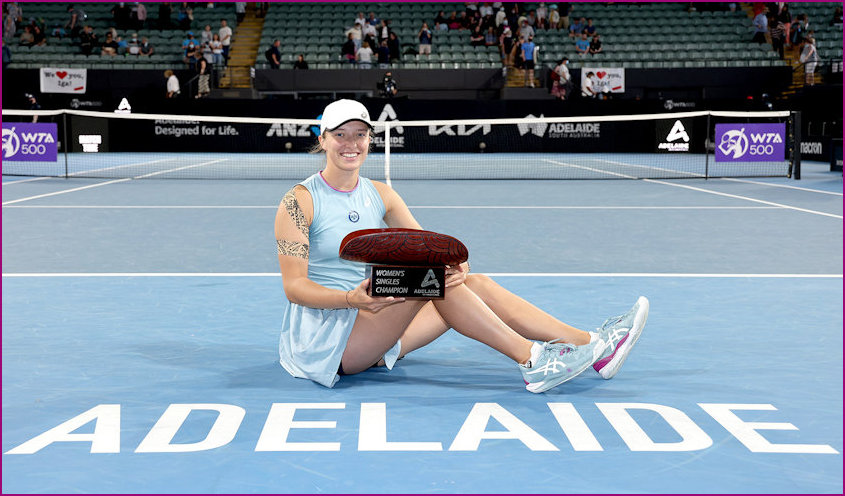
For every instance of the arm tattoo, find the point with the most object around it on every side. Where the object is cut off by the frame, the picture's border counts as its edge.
(292, 248)
(295, 211)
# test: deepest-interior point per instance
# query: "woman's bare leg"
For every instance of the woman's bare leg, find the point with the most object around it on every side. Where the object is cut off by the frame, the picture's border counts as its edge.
(375, 333)
(523, 317)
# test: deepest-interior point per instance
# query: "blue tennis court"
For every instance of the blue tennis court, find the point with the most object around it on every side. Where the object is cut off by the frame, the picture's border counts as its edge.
(141, 323)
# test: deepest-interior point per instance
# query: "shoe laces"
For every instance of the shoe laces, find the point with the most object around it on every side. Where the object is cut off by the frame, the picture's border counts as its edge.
(558, 346)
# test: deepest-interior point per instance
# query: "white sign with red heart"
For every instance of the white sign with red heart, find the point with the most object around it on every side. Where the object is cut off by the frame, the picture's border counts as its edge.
(605, 79)
(63, 80)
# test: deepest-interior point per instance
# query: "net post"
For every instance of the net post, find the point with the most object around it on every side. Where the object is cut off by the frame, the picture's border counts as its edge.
(387, 153)
(65, 142)
(795, 129)
(707, 149)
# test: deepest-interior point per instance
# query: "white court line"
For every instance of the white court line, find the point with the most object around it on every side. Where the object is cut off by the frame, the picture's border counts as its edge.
(781, 205)
(79, 173)
(691, 174)
(444, 207)
(781, 186)
(719, 193)
(491, 274)
(115, 181)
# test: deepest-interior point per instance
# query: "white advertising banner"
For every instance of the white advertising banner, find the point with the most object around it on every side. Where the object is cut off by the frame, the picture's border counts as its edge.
(63, 80)
(605, 79)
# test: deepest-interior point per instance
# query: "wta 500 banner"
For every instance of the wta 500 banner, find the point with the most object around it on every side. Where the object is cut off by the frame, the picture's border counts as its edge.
(750, 142)
(63, 80)
(26, 142)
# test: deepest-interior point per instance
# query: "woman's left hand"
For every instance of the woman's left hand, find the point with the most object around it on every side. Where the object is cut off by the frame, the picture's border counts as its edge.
(456, 275)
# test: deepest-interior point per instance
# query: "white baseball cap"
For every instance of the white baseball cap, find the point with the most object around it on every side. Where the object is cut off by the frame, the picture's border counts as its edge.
(340, 112)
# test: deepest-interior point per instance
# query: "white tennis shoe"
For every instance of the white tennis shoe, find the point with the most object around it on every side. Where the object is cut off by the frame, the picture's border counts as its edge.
(621, 333)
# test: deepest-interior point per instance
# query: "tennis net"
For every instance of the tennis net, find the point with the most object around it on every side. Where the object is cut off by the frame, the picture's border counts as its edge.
(75, 143)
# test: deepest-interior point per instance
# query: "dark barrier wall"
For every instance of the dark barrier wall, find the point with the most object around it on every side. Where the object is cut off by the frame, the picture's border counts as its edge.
(145, 89)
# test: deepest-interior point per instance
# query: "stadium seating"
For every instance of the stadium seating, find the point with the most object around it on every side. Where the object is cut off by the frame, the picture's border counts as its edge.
(637, 35)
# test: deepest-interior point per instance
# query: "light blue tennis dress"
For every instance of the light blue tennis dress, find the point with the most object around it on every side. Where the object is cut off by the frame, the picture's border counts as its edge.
(313, 339)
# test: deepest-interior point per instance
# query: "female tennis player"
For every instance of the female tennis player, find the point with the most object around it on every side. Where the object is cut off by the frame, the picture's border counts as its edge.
(332, 327)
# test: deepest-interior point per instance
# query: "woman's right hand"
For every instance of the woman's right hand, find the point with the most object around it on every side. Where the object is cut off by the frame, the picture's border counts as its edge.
(358, 298)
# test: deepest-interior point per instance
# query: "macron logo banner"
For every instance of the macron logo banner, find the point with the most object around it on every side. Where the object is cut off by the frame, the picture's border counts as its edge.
(63, 80)
(750, 142)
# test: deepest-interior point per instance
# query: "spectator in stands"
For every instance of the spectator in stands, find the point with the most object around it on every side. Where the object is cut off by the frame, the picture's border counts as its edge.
(426, 39)
(203, 77)
(190, 47)
(139, 15)
(531, 19)
(542, 16)
(38, 36)
(172, 84)
(761, 27)
(587, 89)
(485, 9)
(133, 45)
(500, 18)
(383, 55)
(74, 23)
(561, 80)
(395, 47)
(300, 62)
(453, 22)
(565, 8)
(185, 16)
(145, 48)
(476, 38)
(274, 55)
(595, 44)
(506, 45)
(589, 28)
(442, 19)
(784, 17)
(164, 13)
(582, 45)
(554, 17)
(122, 46)
(7, 55)
(26, 38)
(369, 33)
(465, 20)
(365, 56)
(88, 40)
(360, 19)
(240, 11)
(810, 58)
(796, 32)
(216, 50)
(490, 38)
(529, 53)
(9, 28)
(15, 11)
(372, 20)
(206, 35)
(347, 51)
(225, 33)
(384, 30)
(837, 16)
(121, 15)
(576, 27)
(357, 34)
(776, 33)
(109, 45)
(525, 30)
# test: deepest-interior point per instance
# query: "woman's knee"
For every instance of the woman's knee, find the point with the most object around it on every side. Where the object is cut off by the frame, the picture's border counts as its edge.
(479, 282)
